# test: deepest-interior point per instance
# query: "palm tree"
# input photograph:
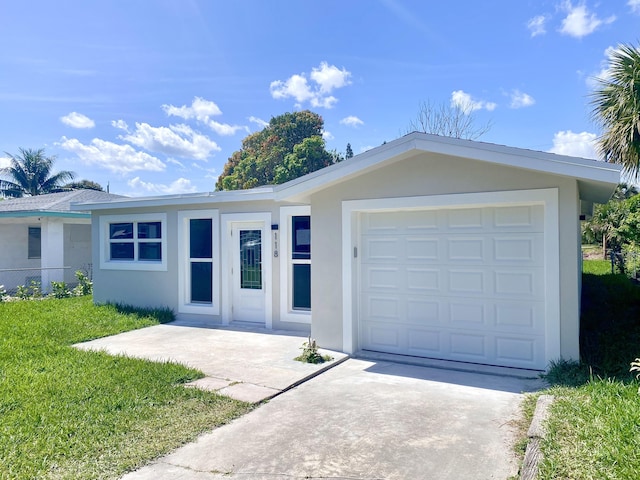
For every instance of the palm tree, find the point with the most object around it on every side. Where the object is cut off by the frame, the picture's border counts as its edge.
(30, 174)
(616, 108)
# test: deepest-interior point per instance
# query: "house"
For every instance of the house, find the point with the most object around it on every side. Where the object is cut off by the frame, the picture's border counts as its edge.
(43, 240)
(425, 246)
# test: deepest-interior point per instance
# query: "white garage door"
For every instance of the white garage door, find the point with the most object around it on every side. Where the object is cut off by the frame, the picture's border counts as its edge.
(462, 284)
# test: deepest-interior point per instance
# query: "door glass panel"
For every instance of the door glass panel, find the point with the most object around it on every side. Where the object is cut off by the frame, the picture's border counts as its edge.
(201, 282)
(251, 259)
(200, 239)
(302, 286)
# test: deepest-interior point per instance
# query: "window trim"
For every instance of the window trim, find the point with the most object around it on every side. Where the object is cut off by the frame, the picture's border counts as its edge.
(106, 263)
(184, 277)
(287, 313)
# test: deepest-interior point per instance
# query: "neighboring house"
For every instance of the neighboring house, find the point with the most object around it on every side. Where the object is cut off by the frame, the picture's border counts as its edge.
(43, 240)
(425, 246)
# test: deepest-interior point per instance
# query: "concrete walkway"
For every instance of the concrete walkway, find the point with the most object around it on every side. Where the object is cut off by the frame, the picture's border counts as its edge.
(364, 420)
(360, 419)
(245, 363)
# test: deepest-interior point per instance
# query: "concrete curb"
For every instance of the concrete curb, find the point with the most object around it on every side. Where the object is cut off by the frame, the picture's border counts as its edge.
(537, 432)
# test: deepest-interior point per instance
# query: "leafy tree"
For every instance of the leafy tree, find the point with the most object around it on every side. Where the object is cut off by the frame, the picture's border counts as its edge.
(83, 185)
(617, 222)
(448, 121)
(290, 146)
(349, 153)
(616, 108)
(30, 174)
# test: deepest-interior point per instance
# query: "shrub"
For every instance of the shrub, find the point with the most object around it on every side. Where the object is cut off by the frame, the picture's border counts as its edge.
(85, 285)
(310, 353)
(60, 290)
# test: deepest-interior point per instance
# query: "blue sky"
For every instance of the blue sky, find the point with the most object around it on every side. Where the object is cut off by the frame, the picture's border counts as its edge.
(152, 97)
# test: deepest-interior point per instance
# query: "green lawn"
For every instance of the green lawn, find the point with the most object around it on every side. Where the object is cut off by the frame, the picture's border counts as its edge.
(594, 426)
(66, 413)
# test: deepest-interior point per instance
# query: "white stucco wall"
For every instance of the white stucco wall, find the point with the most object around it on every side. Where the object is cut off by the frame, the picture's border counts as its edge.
(434, 175)
(160, 288)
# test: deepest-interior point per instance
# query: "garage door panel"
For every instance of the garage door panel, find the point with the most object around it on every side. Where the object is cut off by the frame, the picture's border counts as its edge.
(382, 248)
(525, 248)
(518, 317)
(456, 284)
(423, 280)
(518, 218)
(421, 249)
(384, 278)
(466, 249)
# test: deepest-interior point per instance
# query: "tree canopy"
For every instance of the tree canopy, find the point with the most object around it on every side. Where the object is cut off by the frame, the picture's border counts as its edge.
(616, 108)
(290, 146)
(30, 173)
(448, 121)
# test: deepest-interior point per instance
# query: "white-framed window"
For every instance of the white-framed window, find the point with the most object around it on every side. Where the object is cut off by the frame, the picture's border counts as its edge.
(133, 242)
(295, 264)
(34, 243)
(199, 261)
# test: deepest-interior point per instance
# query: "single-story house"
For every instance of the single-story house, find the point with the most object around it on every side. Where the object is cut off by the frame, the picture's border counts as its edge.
(43, 240)
(425, 246)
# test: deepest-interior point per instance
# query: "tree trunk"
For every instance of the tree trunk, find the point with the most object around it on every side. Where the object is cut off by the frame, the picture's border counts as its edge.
(604, 247)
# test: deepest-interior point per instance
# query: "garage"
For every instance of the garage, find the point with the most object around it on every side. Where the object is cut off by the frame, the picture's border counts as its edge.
(463, 283)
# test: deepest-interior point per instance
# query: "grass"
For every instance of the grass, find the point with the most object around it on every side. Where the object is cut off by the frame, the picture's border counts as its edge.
(594, 426)
(67, 413)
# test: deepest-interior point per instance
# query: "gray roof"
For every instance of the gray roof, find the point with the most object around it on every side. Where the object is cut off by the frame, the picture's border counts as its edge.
(55, 202)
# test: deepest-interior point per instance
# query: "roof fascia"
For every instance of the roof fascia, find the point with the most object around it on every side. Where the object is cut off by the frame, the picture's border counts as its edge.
(173, 200)
(36, 213)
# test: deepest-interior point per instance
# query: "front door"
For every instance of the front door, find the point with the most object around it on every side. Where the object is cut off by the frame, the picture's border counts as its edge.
(247, 274)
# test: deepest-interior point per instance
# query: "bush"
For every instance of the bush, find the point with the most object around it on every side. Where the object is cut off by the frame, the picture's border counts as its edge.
(85, 285)
(60, 290)
(310, 353)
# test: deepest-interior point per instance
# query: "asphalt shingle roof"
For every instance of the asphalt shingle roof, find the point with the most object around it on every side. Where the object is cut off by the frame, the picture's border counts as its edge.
(55, 202)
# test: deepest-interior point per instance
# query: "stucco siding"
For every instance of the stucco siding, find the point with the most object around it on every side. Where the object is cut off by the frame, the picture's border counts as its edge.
(433, 175)
(160, 288)
(77, 250)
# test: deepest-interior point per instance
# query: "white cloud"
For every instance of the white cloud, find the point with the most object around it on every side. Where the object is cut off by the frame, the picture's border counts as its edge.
(180, 140)
(120, 125)
(5, 162)
(324, 80)
(330, 77)
(120, 159)
(78, 120)
(580, 22)
(351, 121)
(536, 25)
(224, 128)
(258, 121)
(520, 99)
(181, 185)
(327, 135)
(573, 144)
(202, 110)
(634, 5)
(604, 73)
(464, 101)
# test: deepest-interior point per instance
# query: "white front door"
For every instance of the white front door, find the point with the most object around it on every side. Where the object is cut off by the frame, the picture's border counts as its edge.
(247, 272)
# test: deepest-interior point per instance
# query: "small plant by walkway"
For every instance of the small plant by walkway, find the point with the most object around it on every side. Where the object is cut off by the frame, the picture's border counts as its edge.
(72, 414)
(593, 427)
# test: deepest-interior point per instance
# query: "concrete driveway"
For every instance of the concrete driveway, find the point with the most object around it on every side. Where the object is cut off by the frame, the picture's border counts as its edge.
(361, 419)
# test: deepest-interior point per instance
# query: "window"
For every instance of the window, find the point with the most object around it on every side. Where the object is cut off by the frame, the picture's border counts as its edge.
(301, 262)
(135, 242)
(34, 247)
(198, 262)
(295, 264)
